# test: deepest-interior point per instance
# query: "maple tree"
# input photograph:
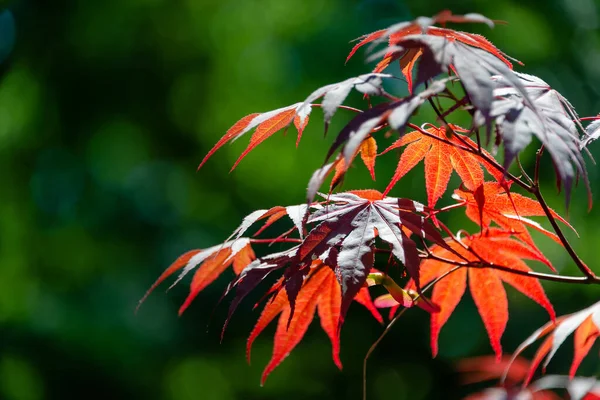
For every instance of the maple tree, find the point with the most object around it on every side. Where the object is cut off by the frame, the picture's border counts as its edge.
(330, 256)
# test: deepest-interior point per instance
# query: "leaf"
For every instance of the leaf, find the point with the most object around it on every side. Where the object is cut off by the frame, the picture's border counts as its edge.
(266, 129)
(271, 122)
(368, 153)
(295, 213)
(422, 25)
(353, 135)
(266, 124)
(320, 292)
(440, 160)
(210, 262)
(508, 211)
(545, 113)
(351, 221)
(335, 94)
(485, 284)
(585, 324)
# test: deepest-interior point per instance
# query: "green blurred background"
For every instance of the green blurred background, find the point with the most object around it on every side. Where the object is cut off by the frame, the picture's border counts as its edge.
(106, 109)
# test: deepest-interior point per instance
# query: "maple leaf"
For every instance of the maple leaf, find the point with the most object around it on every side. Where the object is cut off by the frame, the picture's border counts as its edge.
(359, 129)
(585, 324)
(320, 292)
(545, 113)
(423, 25)
(210, 262)
(368, 153)
(349, 223)
(507, 210)
(271, 122)
(497, 248)
(440, 160)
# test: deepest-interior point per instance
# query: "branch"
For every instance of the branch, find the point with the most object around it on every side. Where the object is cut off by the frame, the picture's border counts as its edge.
(530, 274)
(590, 277)
(391, 324)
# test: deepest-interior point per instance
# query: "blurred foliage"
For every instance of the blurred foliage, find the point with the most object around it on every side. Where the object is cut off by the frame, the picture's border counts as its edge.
(107, 107)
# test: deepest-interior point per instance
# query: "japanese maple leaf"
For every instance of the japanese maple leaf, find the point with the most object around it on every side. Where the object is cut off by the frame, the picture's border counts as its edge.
(585, 324)
(320, 292)
(271, 122)
(544, 112)
(210, 263)
(508, 210)
(423, 25)
(440, 160)
(485, 284)
(368, 153)
(348, 224)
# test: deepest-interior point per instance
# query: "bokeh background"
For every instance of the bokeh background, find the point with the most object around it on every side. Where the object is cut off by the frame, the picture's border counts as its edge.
(106, 109)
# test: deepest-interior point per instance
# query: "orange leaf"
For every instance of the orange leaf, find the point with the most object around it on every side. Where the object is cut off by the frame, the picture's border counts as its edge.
(266, 129)
(234, 131)
(329, 308)
(495, 248)
(585, 336)
(490, 299)
(368, 152)
(446, 293)
(407, 63)
(208, 272)
(244, 257)
(178, 264)
(438, 168)
(507, 211)
(300, 125)
(440, 159)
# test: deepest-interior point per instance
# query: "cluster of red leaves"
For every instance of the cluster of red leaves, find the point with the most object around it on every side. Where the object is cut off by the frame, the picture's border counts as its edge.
(320, 292)
(330, 263)
(469, 258)
(409, 57)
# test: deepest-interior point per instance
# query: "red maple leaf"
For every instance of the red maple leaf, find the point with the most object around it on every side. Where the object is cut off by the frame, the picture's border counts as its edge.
(497, 248)
(585, 324)
(368, 153)
(505, 209)
(210, 263)
(424, 26)
(440, 160)
(320, 292)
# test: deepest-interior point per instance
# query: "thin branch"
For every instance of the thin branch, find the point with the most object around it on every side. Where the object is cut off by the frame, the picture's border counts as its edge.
(391, 324)
(531, 182)
(590, 277)
(530, 274)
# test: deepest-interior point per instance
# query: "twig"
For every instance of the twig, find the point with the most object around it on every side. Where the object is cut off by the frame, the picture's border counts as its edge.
(391, 324)
(590, 277)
